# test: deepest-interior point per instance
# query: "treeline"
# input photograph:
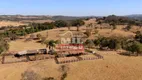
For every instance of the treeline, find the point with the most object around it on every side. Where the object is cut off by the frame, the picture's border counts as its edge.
(133, 46)
(14, 32)
(39, 17)
(119, 20)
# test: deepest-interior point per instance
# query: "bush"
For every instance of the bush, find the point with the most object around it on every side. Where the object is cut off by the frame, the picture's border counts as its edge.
(138, 37)
(64, 75)
(134, 47)
(128, 27)
(39, 36)
(30, 75)
(112, 43)
(89, 43)
(64, 70)
(48, 78)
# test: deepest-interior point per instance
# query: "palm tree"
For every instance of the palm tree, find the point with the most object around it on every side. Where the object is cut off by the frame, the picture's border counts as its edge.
(51, 44)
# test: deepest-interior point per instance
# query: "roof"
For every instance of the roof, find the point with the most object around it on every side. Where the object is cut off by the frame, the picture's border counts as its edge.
(32, 51)
(22, 52)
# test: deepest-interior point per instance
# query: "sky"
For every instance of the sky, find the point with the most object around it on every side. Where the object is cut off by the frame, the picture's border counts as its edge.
(70, 7)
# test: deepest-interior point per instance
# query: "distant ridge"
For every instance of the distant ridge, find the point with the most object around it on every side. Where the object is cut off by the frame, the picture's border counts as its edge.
(58, 17)
(135, 16)
(39, 17)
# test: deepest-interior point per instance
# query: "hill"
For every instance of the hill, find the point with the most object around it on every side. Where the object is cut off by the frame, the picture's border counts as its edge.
(112, 67)
(135, 16)
(38, 17)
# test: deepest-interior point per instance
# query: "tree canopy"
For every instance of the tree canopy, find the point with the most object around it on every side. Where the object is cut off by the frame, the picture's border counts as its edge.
(60, 23)
(4, 46)
(77, 22)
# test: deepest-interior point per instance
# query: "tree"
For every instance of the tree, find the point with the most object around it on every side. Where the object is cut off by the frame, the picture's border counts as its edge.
(99, 22)
(89, 43)
(138, 37)
(60, 23)
(51, 44)
(13, 36)
(39, 36)
(43, 39)
(32, 36)
(77, 23)
(114, 44)
(97, 42)
(113, 26)
(4, 46)
(88, 32)
(128, 27)
(104, 42)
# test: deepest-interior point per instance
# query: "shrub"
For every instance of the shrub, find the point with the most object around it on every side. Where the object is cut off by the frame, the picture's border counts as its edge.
(134, 47)
(30, 75)
(39, 36)
(138, 37)
(64, 75)
(64, 70)
(48, 78)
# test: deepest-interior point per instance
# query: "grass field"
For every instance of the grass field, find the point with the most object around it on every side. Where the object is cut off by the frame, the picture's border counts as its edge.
(36, 21)
(54, 35)
(21, 45)
(113, 67)
(10, 23)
